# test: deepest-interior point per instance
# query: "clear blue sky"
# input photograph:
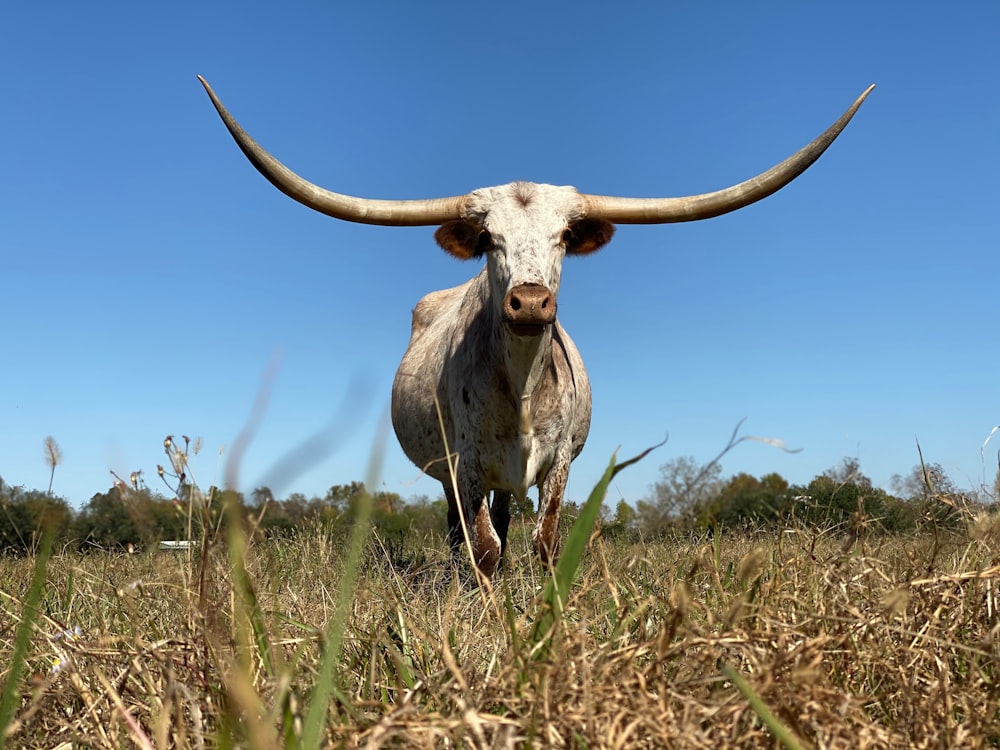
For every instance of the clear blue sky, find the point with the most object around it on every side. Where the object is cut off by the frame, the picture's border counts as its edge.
(150, 275)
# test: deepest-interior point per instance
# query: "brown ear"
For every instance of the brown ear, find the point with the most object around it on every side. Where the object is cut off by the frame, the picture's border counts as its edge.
(462, 239)
(588, 235)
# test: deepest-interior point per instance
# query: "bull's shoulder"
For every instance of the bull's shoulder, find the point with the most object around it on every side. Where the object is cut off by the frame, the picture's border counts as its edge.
(440, 305)
(429, 309)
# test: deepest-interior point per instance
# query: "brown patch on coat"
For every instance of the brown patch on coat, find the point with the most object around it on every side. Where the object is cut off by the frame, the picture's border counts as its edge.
(463, 239)
(546, 537)
(486, 547)
(587, 235)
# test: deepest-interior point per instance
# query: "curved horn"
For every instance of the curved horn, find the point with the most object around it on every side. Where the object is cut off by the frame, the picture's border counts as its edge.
(705, 206)
(363, 210)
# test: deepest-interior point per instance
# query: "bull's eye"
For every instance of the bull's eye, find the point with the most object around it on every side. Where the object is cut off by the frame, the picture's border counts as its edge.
(567, 236)
(484, 243)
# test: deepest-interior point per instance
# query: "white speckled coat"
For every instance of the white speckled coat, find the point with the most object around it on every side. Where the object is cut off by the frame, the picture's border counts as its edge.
(515, 409)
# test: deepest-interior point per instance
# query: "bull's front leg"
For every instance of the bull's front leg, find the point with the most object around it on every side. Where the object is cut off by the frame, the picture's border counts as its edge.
(500, 514)
(456, 539)
(550, 496)
(485, 542)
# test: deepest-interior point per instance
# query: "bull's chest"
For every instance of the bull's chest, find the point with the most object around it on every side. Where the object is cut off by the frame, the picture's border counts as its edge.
(514, 441)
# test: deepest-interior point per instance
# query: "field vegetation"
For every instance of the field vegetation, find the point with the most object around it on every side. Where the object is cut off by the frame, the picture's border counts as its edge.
(779, 632)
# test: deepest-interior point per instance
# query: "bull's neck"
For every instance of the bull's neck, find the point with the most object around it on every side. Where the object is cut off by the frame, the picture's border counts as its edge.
(524, 359)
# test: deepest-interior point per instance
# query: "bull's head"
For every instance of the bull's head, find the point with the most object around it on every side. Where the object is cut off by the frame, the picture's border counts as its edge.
(525, 230)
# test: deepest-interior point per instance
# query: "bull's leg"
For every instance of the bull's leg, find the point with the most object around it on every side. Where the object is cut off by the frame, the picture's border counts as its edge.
(485, 542)
(486, 545)
(500, 515)
(550, 496)
(456, 541)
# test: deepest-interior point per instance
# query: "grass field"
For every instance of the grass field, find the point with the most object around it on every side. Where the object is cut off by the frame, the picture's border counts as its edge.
(797, 638)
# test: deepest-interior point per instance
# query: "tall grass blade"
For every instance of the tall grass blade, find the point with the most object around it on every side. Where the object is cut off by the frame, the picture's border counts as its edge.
(781, 733)
(557, 588)
(327, 681)
(250, 610)
(10, 694)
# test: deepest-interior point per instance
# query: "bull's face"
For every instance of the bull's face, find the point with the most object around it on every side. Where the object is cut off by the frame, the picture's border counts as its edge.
(525, 230)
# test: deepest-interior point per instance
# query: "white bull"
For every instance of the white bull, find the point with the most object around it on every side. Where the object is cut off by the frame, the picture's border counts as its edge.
(489, 356)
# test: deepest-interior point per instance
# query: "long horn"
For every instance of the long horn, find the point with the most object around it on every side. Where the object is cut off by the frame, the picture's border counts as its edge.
(363, 210)
(705, 206)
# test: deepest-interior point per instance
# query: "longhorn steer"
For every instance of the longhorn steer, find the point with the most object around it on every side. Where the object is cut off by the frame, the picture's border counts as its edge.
(489, 356)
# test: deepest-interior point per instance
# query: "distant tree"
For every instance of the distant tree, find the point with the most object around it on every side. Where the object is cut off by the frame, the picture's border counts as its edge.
(618, 523)
(898, 515)
(387, 513)
(844, 497)
(425, 516)
(924, 482)
(340, 496)
(260, 497)
(107, 521)
(48, 513)
(522, 509)
(15, 523)
(122, 517)
(624, 514)
(15, 536)
(343, 507)
(387, 503)
(827, 501)
(746, 499)
(685, 486)
(228, 506)
(28, 515)
(169, 517)
(932, 494)
(297, 510)
(264, 509)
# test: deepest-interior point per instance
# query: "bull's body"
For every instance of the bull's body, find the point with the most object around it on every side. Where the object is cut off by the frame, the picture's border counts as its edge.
(503, 434)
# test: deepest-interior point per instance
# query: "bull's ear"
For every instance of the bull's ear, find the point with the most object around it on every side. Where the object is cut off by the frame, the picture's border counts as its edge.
(463, 239)
(587, 236)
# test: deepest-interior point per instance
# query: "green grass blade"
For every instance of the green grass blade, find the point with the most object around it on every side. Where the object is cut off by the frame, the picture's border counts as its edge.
(327, 681)
(333, 641)
(10, 694)
(557, 588)
(249, 610)
(576, 543)
(781, 733)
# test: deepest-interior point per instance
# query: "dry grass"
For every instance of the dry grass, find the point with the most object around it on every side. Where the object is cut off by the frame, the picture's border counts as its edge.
(878, 642)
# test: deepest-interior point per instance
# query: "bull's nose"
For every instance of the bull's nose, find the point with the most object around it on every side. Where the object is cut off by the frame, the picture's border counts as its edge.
(528, 308)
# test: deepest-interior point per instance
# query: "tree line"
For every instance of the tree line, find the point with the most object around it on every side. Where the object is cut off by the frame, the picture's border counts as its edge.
(690, 497)
(134, 517)
(695, 497)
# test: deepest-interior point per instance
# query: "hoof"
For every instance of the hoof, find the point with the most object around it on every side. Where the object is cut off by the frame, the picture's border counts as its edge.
(548, 552)
(488, 562)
